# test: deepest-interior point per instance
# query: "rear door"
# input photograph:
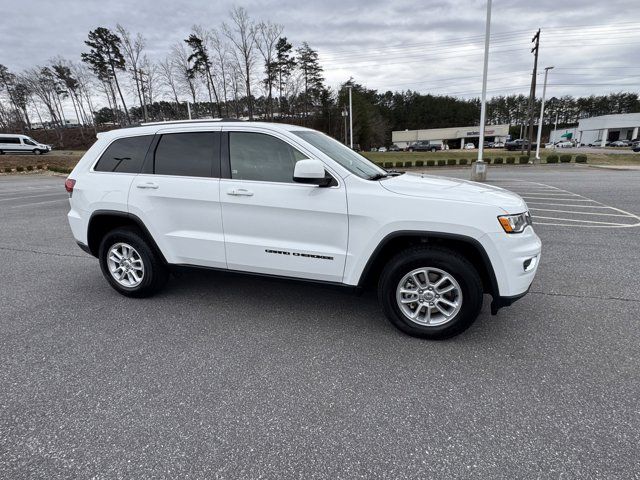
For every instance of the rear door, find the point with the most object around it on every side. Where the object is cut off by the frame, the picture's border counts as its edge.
(177, 196)
(273, 225)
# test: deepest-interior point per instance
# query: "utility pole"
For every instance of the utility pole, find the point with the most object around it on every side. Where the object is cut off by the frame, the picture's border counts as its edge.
(143, 95)
(479, 168)
(532, 94)
(541, 120)
(350, 118)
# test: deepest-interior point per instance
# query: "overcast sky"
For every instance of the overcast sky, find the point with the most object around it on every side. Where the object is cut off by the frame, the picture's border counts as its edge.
(429, 46)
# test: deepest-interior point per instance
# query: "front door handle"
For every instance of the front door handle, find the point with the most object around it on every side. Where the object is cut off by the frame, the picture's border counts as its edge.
(240, 192)
(147, 185)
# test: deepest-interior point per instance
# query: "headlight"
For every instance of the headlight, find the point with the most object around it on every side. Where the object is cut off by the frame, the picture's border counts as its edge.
(515, 223)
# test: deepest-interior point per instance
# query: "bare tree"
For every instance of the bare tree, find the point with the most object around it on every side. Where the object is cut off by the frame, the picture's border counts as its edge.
(267, 39)
(242, 34)
(167, 77)
(133, 49)
(221, 59)
(180, 60)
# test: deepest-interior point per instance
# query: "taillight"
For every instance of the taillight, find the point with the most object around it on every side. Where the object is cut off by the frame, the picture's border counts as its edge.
(69, 184)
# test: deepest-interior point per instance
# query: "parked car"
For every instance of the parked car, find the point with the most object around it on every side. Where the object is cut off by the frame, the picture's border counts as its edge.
(498, 144)
(620, 143)
(394, 148)
(636, 148)
(21, 144)
(518, 144)
(598, 143)
(282, 200)
(425, 146)
(382, 149)
(469, 146)
(564, 144)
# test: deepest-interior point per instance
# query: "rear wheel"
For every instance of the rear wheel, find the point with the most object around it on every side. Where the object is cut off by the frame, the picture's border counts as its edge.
(130, 264)
(433, 149)
(432, 293)
(411, 149)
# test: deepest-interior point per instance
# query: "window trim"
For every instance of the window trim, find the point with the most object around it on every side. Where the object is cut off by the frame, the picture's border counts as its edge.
(225, 159)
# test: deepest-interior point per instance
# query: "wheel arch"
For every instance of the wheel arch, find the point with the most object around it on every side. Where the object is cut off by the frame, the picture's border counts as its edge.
(103, 221)
(395, 242)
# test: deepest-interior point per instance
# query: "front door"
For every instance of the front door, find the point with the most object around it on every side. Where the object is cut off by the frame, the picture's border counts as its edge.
(273, 225)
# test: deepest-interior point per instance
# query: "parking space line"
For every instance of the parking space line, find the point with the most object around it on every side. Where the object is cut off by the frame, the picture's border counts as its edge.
(585, 221)
(567, 204)
(579, 213)
(30, 196)
(36, 203)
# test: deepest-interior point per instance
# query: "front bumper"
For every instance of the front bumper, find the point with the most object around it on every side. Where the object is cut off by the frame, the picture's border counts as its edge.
(515, 259)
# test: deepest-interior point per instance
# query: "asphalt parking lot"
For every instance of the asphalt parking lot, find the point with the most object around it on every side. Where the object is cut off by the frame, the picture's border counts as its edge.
(224, 376)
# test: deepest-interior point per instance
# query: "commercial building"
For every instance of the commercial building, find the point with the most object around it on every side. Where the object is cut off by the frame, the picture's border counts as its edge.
(454, 137)
(598, 130)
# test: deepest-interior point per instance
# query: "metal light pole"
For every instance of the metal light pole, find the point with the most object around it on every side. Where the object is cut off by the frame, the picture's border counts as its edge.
(350, 119)
(345, 114)
(189, 109)
(544, 92)
(479, 168)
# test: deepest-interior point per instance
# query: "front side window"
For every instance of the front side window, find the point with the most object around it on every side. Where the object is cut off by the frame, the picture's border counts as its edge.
(28, 141)
(185, 154)
(124, 155)
(261, 157)
(342, 154)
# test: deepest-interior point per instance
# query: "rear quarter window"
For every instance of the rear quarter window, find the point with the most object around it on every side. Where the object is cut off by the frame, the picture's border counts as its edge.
(124, 155)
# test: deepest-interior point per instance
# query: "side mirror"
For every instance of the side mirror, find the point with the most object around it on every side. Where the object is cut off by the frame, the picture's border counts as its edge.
(311, 172)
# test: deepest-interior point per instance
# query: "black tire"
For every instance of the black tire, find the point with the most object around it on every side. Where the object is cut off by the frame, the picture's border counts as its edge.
(433, 257)
(1, 152)
(37, 152)
(155, 271)
(433, 149)
(410, 149)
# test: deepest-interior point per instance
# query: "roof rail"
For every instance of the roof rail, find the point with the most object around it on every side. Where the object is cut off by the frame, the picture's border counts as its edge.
(200, 120)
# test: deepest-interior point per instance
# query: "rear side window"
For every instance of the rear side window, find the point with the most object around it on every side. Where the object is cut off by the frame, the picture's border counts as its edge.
(124, 155)
(186, 154)
(10, 140)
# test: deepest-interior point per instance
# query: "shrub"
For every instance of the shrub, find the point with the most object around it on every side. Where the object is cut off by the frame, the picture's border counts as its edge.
(552, 159)
(430, 163)
(581, 159)
(565, 158)
(451, 161)
(29, 167)
(39, 167)
(388, 164)
(511, 160)
(19, 169)
(419, 163)
(7, 169)
(463, 161)
(485, 160)
(399, 164)
(408, 164)
(441, 163)
(498, 160)
(523, 159)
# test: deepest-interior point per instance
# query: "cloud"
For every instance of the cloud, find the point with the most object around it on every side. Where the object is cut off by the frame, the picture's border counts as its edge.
(432, 46)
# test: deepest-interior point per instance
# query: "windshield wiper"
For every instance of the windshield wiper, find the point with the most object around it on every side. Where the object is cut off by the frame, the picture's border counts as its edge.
(378, 176)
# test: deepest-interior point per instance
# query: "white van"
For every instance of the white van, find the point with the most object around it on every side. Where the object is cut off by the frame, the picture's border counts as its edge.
(21, 143)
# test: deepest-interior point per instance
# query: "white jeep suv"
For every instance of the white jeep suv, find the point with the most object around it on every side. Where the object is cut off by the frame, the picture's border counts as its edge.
(288, 201)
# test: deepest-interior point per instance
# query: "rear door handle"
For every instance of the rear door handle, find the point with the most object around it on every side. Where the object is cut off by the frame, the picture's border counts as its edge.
(147, 185)
(240, 192)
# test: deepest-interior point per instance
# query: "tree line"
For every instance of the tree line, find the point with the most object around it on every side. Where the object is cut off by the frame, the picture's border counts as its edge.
(242, 69)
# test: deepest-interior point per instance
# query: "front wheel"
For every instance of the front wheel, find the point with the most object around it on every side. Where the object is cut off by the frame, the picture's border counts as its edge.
(430, 292)
(37, 152)
(433, 149)
(130, 264)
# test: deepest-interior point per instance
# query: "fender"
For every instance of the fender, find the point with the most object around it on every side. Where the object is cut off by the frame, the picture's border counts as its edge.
(129, 216)
(470, 241)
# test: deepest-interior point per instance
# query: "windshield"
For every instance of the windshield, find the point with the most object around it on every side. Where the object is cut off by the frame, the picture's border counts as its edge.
(342, 154)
